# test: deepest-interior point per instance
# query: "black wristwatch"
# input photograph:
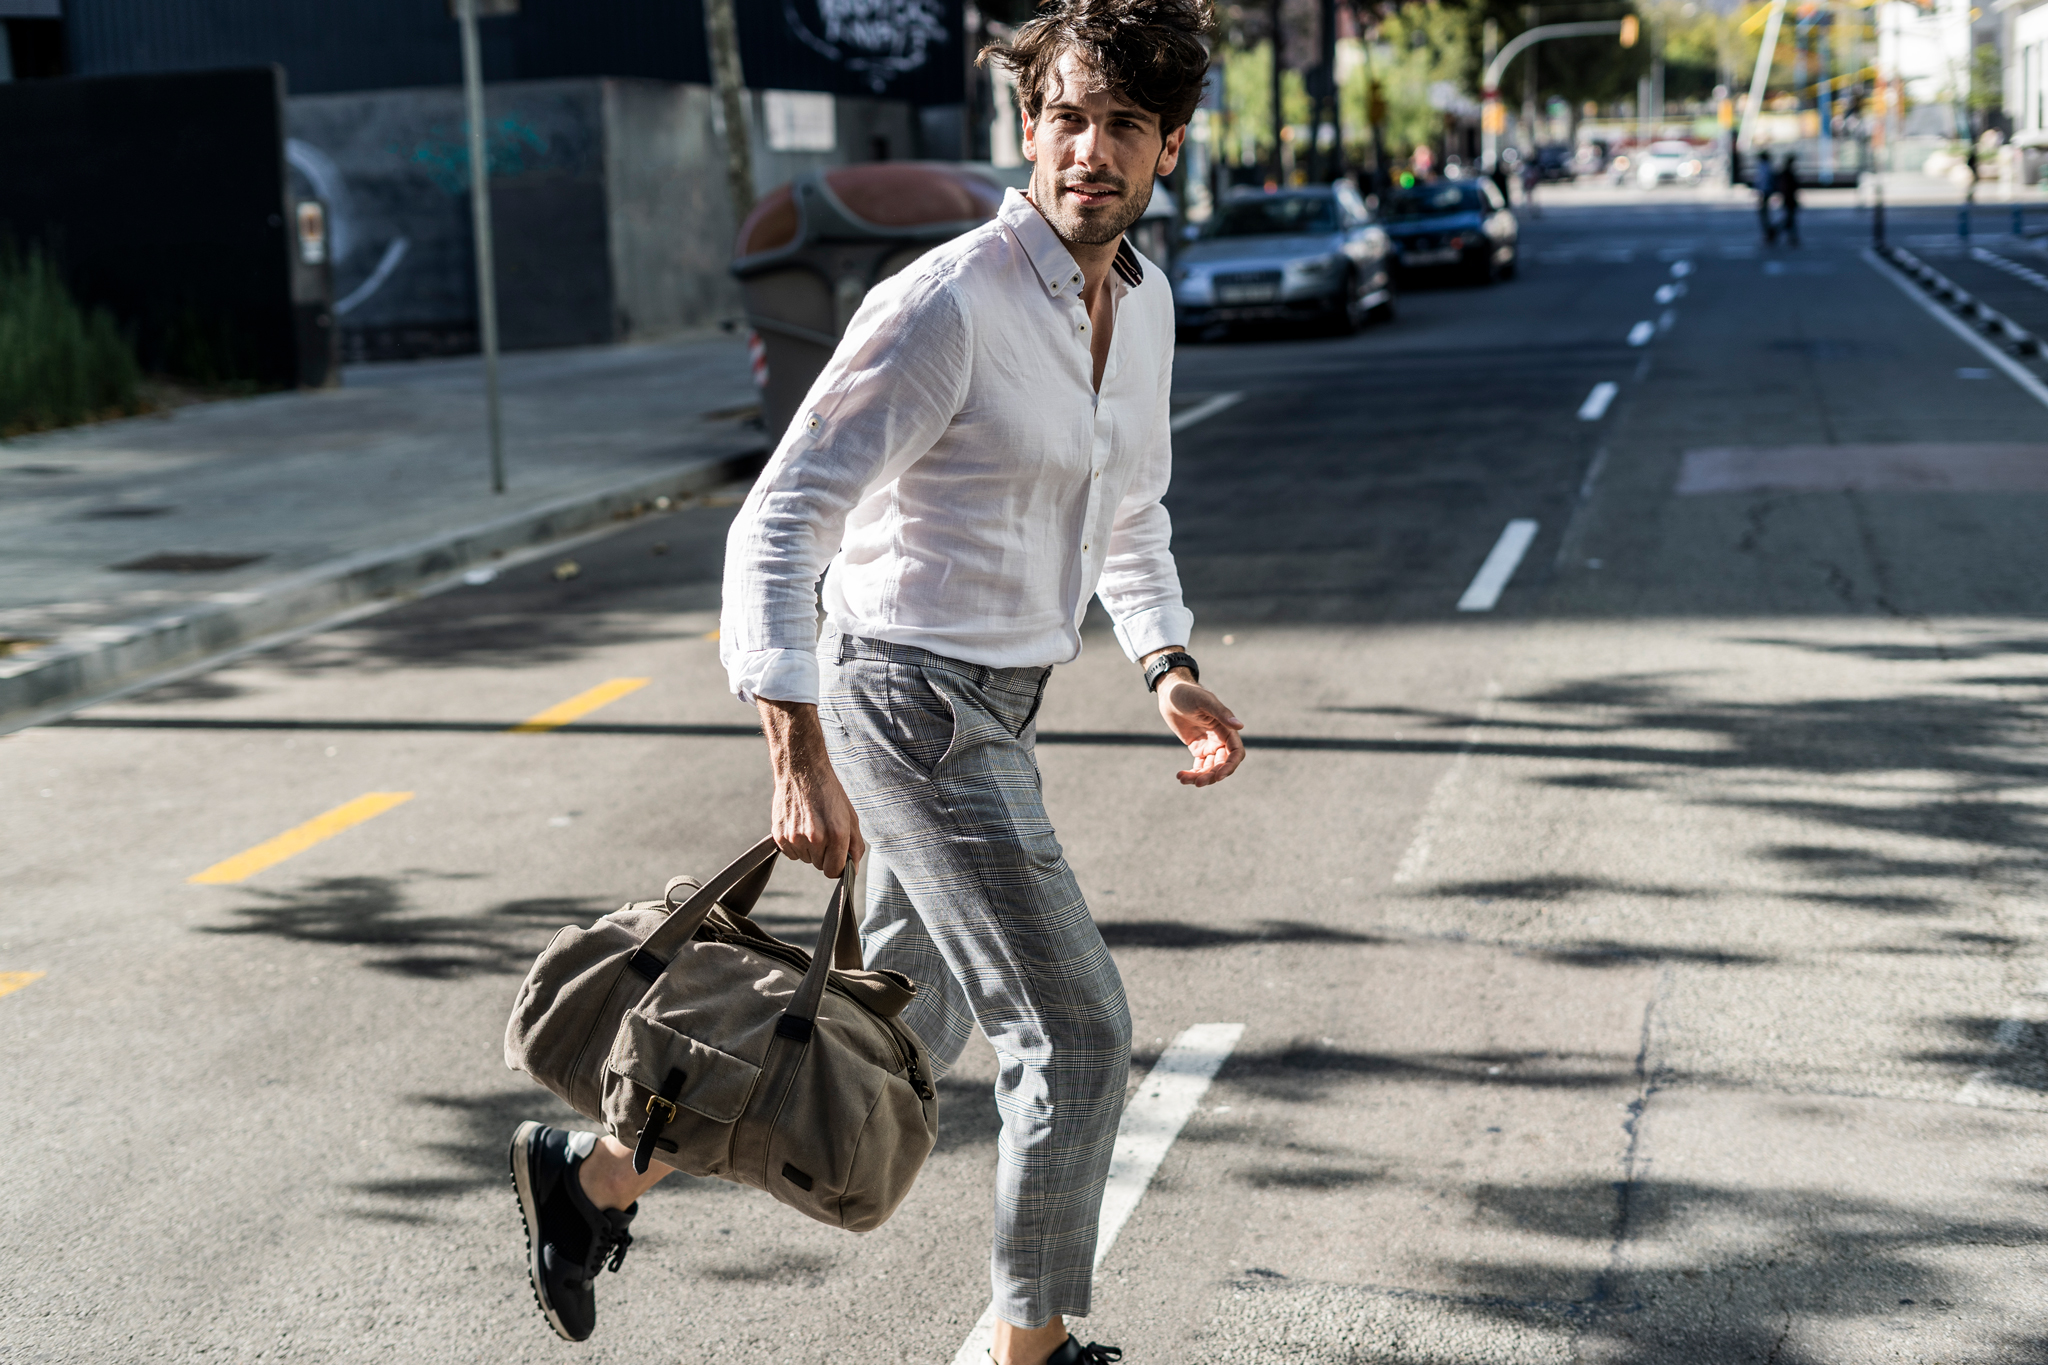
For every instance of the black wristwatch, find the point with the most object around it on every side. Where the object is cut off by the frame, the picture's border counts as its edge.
(1165, 664)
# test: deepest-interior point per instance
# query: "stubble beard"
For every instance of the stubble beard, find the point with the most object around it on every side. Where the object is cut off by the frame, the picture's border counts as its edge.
(1077, 228)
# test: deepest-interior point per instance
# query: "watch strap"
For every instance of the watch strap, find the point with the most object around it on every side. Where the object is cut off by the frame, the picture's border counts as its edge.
(1165, 664)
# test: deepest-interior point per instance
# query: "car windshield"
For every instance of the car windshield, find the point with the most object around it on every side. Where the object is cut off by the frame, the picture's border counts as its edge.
(1425, 200)
(1276, 216)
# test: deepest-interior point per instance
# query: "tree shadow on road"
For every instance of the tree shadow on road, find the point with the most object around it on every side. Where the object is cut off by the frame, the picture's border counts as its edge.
(373, 913)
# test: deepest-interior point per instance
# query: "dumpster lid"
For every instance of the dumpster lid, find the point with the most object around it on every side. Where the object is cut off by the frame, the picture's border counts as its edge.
(881, 202)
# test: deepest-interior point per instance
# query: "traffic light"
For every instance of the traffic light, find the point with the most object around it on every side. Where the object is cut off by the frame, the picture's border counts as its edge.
(1630, 30)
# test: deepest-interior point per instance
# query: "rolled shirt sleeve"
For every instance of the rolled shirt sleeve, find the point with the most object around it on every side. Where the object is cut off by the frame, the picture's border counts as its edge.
(891, 388)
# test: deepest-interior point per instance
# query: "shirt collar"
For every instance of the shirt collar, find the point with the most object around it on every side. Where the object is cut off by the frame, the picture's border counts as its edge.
(1049, 255)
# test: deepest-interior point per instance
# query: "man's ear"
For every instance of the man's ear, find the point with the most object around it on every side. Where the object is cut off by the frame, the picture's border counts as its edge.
(1169, 154)
(1025, 144)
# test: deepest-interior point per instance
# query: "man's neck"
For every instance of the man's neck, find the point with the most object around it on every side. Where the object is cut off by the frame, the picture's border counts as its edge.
(1094, 259)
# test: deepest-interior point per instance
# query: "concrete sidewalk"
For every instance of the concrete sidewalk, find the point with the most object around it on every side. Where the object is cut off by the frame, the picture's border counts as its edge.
(132, 547)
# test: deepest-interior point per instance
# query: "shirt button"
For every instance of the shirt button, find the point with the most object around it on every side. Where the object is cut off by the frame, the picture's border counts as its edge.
(812, 424)
(1080, 326)
(1084, 544)
(1098, 473)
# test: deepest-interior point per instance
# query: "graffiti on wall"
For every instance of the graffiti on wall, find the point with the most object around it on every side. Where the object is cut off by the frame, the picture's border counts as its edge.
(879, 40)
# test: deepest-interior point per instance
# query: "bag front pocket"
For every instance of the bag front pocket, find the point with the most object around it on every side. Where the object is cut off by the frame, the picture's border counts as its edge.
(696, 1109)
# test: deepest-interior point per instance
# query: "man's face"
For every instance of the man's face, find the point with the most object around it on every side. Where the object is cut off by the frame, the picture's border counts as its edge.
(1095, 155)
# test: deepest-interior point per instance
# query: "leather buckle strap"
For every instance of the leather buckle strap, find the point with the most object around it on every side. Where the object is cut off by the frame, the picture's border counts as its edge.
(661, 1112)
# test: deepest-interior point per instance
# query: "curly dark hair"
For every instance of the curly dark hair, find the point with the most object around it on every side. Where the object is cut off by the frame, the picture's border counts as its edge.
(1150, 51)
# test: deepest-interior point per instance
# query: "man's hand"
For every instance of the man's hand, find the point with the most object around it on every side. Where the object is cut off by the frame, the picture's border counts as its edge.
(813, 821)
(1204, 724)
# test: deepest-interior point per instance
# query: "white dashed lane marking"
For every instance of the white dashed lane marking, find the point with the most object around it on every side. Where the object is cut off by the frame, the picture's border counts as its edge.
(1595, 406)
(1203, 410)
(1500, 566)
(1640, 334)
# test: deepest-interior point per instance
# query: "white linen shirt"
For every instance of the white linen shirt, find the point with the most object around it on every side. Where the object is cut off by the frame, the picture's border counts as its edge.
(958, 479)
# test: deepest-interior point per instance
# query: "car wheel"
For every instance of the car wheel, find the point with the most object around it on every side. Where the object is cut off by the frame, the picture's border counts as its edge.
(1345, 314)
(1383, 312)
(1507, 270)
(1479, 269)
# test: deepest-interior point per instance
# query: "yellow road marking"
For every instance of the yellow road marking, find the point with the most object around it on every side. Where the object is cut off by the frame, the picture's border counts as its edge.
(10, 982)
(320, 828)
(578, 706)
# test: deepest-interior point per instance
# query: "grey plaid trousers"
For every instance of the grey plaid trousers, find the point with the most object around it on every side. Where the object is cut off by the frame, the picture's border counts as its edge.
(970, 896)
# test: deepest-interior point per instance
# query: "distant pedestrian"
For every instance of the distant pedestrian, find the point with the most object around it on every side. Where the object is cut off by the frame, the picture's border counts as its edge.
(1788, 199)
(1504, 177)
(1764, 218)
(1532, 176)
(977, 461)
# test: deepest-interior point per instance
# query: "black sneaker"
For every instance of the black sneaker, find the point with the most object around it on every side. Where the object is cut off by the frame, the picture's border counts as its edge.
(568, 1238)
(1072, 1352)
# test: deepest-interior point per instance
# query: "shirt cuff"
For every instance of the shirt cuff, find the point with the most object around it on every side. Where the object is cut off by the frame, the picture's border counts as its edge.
(1155, 628)
(775, 675)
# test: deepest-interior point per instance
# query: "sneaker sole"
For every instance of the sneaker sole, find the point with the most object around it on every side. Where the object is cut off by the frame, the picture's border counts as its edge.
(529, 1218)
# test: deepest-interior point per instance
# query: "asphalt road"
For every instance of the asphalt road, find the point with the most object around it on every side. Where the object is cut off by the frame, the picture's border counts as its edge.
(1645, 969)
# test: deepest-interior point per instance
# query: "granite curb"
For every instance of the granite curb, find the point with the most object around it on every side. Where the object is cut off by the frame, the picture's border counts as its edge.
(104, 659)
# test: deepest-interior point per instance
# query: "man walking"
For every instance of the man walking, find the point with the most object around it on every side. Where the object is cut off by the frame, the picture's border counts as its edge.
(1788, 198)
(986, 451)
(1763, 199)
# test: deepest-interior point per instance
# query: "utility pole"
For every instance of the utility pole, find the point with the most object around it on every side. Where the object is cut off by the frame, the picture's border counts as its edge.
(1492, 116)
(721, 32)
(1279, 115)
(480, 224)
(1528, 128)
(1333, 167)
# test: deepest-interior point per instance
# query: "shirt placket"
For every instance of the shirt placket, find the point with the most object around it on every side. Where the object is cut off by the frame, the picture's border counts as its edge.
(1102, 420)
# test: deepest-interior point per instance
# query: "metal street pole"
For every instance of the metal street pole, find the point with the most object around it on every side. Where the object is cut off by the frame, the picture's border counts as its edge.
(1745, 136)
(1492, 117)
(480, 220)
(1279, 113)
(1497, 64)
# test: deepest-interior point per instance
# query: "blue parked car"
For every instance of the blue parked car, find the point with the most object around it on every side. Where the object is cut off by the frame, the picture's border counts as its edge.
(1458, 226)
(1309, 255)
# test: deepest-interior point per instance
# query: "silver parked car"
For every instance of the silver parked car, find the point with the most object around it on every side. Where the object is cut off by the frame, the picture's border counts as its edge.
(1310, 255)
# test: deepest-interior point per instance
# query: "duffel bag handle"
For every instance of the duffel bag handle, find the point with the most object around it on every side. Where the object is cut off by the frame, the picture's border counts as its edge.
(682, 921)
(838, 939)
(838, 945)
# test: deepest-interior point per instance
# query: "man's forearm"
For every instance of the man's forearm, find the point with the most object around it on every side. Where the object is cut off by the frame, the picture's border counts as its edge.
(796, 740)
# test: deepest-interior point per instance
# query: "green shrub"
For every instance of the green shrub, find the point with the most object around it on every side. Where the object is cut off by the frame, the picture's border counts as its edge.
(59, 363)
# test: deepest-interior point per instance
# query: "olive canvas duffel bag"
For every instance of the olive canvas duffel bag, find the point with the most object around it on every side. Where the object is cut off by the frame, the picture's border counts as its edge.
(704, 1042)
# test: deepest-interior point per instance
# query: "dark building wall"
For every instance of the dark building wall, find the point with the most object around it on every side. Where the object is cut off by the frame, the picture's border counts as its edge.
(608, 203)
(163, 200)
(386, 44)
(917, 53)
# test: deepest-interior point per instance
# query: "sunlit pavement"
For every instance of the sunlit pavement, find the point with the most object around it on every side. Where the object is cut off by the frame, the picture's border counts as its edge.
(1640, 968)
